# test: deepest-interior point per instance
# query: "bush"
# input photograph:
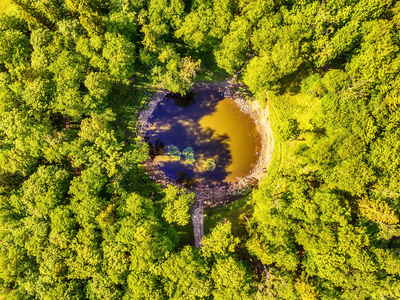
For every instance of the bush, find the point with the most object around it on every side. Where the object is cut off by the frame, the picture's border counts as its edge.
(188, 153)
(173, 152)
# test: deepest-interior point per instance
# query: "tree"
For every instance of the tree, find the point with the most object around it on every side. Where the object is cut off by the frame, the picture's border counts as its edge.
(44, 191)
(186, 275)
(79, 218)
(98, 146)
(188, 153)
(230, 279)
(34, 14)
(176, 207)
(378, 211)
(209, 164)
(196, 26)
(85, 189)
(231, 53)
(120, 54)
(288, 129)
(306, 290)
(89, 13)
(275, 242)
(99, 86)
(312, 85)
(277, 285)
(220, 242)
(63, 227)
(92, 48)
(14, 48)
(173, 72)
(389, 260)
(69, 70)
(260, 76)
(174, 152)
(336, 81)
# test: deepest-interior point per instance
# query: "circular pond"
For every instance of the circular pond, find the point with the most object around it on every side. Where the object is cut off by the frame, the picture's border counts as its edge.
(202, 138)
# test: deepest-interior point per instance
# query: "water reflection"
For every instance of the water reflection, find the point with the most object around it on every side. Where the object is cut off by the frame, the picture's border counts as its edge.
(214, 127)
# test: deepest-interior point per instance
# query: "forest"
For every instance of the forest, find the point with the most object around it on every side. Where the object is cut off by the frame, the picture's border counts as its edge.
(79, 217)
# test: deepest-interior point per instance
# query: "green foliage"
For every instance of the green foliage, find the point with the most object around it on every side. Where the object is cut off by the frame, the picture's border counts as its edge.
(173, 152)
(176, 203)
(277, 285)
(260, 76)
(206, 23)
(43, 191)
(209, 165)
(6, 5)
(120, 54)
(288, 129)
(335, 81)
(173, 72)
(220, 241)
(305, 289)
(188, 153)
(312, 85)
(186, 275)
(378, 211)
(14, 48)
(80, 219)
(231, 280)
(98, 84)
(231, 54)
(329, 195)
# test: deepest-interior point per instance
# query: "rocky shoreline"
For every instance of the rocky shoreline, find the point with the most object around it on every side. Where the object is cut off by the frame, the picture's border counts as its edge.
(215, 196)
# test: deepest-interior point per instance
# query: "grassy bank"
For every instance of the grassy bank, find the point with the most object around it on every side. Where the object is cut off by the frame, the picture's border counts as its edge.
(235, 212)
(275, 164)
(299, 107)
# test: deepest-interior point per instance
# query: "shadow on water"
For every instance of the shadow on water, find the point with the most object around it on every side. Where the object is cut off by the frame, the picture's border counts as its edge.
(176, 121)
(182, 101)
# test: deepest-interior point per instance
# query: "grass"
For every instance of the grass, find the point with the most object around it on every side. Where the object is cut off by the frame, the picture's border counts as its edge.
(211, 76)
(5, 5)
(210, 72)
(185, 234)
(299, 107)
(275, 164)
(235, 212)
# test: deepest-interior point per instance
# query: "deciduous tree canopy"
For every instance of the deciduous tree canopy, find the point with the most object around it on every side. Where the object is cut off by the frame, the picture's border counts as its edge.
(79, 217)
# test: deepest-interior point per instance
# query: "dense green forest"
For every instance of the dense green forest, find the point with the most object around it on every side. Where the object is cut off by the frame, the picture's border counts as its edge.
(79, 217)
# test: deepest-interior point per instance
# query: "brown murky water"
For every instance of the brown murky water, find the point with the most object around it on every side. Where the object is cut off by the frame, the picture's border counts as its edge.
(214, 127)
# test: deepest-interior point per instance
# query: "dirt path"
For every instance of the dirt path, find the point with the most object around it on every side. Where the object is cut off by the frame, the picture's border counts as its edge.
(198, 225)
